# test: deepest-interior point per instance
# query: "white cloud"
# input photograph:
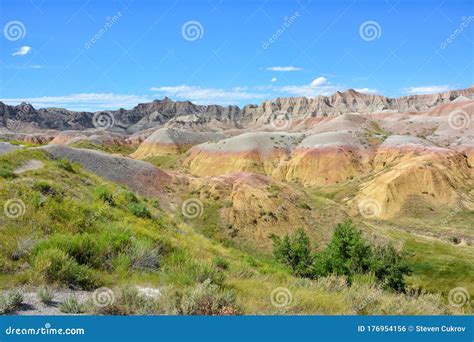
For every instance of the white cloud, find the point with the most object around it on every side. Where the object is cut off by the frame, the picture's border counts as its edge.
(319, 82)
(367, 90)
(201, 95)
(283, 68)
(319, 86)
(24, 50)
(426, 89)
(83, 102)
(274, 79)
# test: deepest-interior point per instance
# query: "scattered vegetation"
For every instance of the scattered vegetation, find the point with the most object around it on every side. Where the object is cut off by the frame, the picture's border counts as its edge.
(84, 235)
(10, 302)
(72, 305)
(203, 299)
(347, 254)
(45, 295)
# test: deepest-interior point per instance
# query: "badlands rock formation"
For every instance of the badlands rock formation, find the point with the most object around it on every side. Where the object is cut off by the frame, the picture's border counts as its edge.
(388, 151)
(166, 141)
(185, 114)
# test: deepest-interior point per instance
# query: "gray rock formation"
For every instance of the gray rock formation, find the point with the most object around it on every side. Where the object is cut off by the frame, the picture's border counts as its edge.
(184, 114)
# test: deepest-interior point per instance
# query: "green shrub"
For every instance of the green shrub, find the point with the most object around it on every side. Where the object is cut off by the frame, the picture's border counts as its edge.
(45, 295)
(72, 305)
(11, 301)
(139, 209)
(220, 263)
(144, 255)
(390, 267)
(111, 248)
(44, 187)
(65, 165)
(130, 197)
(6, 172)
(202, 299)
(348, 254)
(105, 195)
(56, 266)
(294, 252)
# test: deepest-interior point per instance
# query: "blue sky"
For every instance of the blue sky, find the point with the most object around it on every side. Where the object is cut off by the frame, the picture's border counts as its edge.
(92, 55)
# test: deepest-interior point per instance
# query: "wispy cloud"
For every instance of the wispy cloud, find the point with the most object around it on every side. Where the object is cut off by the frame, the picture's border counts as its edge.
(367, 90)
(274, 79)
(433, 89)
(319, 86)
(22, 66)
(83, 102)
(284, 68)
(24, 50)
(208, 95)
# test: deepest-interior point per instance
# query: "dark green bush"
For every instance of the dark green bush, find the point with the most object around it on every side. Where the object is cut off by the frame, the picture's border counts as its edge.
(65, 165)
(44, 187)
(139, 209)
(390, 267)
(57, 267)
(347, 254)
(107, 249)
(6, 172)
(130, 197)
(295, 252)
(105, 195)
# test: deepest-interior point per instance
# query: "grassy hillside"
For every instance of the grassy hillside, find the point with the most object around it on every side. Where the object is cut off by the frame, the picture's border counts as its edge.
(66, 228)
